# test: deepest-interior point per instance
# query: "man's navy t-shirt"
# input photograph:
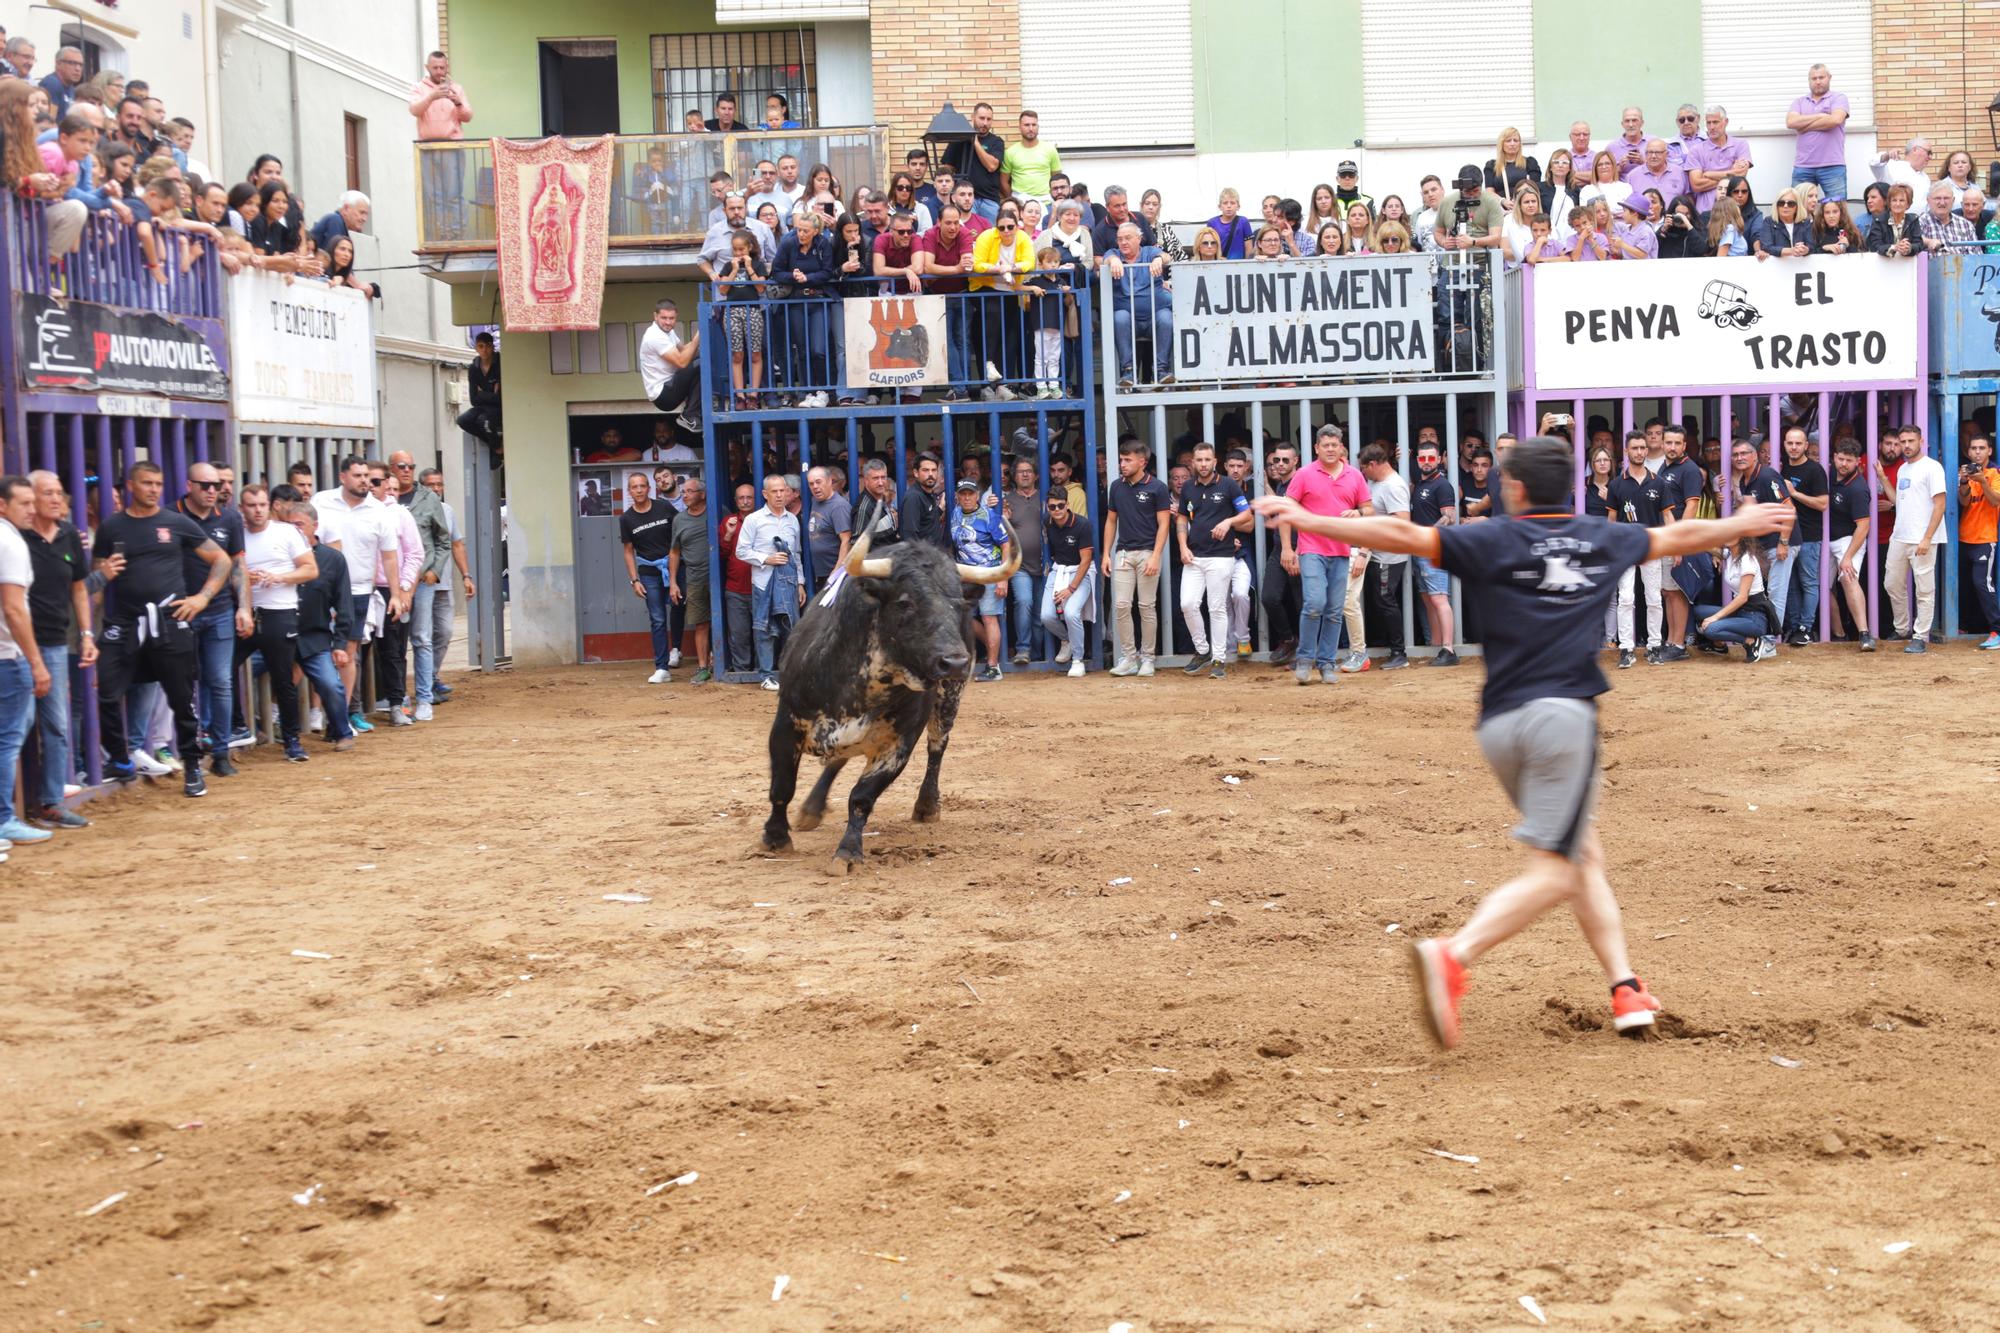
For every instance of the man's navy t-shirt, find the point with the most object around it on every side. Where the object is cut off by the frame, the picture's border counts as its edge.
(1644, 500)
(154, 548)
(1848, 503)
(1066, 542)
(1138, 505)
(1764, 487)
(1207, 503)
(1807, 478)
(1429, 499)
(1688, 479)
(225, 528)
(1541, 585)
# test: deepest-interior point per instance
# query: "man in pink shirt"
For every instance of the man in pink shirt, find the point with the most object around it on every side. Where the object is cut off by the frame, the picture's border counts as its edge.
(1716, 159)
(1820, 121)
(1326, 486)
(441, 110)
(1628, 150)
(1658, 174)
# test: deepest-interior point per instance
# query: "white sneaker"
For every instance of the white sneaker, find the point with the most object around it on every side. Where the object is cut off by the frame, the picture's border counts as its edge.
(149, 766)
(1063, 653)
(316, 719)
(771, 683)
(815, 399)
(1146, 667)
(422, 713)
(674, 658)
(382, 706)
(658, 678)
(1076, 671)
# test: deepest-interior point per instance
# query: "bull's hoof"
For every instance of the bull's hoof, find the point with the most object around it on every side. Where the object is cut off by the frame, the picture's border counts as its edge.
(926, 814)
(840, 867)
(765, 846)
(808, 820)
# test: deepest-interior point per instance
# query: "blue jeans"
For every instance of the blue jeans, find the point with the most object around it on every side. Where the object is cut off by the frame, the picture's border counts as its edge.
(1323, 586)
(430, 629)
(1162, 313)
(324, 677)
(1832, 181)
(1024, 605)
(987, 208)
(17, 710)
(659, 609)
(1739, 628)
(1779, 580)
(52, 726)
(1800, 605)
(958, 338)
(215, 647)
(764, 610)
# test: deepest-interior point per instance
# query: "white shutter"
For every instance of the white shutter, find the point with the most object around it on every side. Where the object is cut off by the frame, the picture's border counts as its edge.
(1108, 73)
(1754, 58)
(790, 11)
(1428, 65)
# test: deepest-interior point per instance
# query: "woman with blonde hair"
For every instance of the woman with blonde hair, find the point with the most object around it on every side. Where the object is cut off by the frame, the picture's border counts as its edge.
(1392, 238)
(1725, 229)
(1508, 169)
(1604, 183)
(29, 177)
(1207, 245)
(1360, 229)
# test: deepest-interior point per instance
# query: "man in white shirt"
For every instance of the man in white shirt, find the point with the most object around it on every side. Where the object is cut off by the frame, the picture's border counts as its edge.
(1906, 166)
(277, 559)
(1382, 571)
(769, 544)
(669, 369)
(1920, 496)
(360, 527)
(23, 676)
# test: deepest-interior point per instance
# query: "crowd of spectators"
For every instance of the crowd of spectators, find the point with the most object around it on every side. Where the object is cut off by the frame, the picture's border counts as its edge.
(330, 595)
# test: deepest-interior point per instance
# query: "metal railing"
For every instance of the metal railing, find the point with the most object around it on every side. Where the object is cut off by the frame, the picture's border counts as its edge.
(660, 191)
(108, 265)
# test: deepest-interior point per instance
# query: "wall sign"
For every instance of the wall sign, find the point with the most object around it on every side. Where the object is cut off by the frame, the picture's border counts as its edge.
(1692, 323)
(1347, 318)
(83, 345)
(1965, 314)
(303, 352)
(895, 342)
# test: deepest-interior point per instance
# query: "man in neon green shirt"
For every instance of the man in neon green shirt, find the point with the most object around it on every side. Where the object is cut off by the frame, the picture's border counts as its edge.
(1026, 166)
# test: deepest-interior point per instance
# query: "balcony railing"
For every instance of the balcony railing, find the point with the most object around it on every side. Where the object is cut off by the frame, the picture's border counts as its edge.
(659, 181)
(109, 265)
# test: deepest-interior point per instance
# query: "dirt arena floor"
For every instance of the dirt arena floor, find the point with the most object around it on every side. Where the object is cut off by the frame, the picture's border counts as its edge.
(1119, 1040)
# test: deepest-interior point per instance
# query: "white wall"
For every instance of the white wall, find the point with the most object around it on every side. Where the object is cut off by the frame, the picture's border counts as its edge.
(846, 74)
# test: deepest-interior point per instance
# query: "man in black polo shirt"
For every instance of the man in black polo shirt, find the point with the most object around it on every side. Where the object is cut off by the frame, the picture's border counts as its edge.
(57, 599)
(1687, 478)
(646, 530)
(1645, 498)
(920, 512)
(1805, 479)
(1210, 515)
(1280, 591)
(1850, 517)
(1135, 537)
(148, 615)
(1067, 589)
(326, 622)
(976, 162)
(1754, 479)
(1544, 577)
(1433, 504)
(227, 617)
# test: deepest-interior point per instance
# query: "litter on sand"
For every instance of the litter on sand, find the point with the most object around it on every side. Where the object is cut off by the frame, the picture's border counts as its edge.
(778, 1286)
(1893, 1247)
(308, 953)
(1392, 927)
(763, 904)
(1122, 879)
(102, 1204)
(302, 1200)
(1453, 1156)
(1533, 1307)
(1120, 1327)
(1232, 779)
(1782, 1063)
(626, 898)
(1123, 1195)
(687, 1179)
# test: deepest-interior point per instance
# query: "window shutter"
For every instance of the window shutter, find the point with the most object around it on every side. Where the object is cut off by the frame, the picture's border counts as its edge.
(1754, 58)
(1424, 66)
(1108, 73)
(790, 11)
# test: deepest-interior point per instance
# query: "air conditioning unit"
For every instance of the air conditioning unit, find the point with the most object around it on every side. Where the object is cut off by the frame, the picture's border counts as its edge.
(455, 392)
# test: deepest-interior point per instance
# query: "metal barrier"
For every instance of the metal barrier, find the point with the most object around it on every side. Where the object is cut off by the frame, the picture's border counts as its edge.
(1622, 344)
(911, 404)
(1251, 353)
(109, 265)
(660, 186)
(1965, 380)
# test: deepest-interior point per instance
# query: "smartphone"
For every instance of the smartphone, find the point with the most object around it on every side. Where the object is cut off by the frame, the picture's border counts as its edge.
(118, 549)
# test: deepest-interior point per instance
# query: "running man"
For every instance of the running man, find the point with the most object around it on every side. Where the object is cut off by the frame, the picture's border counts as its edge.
(1541, 580)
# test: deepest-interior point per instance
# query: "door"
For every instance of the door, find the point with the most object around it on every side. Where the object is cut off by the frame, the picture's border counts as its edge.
(580, 87)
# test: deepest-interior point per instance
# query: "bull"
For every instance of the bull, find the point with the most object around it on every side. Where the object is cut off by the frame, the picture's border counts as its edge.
(864, 676)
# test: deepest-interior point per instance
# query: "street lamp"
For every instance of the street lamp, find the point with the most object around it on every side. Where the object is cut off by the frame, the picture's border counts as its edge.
(949, 128)
(1993, 123)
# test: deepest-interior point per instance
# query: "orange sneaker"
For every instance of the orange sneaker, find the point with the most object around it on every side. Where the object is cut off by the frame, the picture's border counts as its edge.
(1633, 1007)
(1440, 985)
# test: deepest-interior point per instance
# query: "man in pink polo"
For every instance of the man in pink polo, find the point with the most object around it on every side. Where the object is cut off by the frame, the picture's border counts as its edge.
(1820, 120)
(1657, 174)
(1329, 487)
(1715, 159)
(442, 110)
(1628, 150)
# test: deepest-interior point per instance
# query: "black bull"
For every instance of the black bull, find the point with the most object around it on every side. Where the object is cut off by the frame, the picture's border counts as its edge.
(886, 662)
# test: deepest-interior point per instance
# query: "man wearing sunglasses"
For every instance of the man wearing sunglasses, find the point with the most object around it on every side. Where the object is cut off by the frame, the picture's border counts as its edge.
(224, 620)
(1066, 595)
(396, 582)
(354, 522)
(1000, 256)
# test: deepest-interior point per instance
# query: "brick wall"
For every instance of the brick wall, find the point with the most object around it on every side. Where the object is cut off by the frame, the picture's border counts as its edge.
(1937, 65)
(926, 53)
(444, 26)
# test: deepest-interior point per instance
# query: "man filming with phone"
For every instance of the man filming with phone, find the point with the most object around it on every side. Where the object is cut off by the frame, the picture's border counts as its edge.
(442, 111)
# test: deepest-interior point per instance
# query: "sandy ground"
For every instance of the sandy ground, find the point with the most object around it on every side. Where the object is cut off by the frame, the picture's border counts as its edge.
(1115, 1041)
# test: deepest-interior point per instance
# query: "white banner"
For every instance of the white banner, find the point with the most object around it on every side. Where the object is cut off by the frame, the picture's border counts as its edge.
(301, 352)
(1351, 318)
(895, 342)
(1697, 323)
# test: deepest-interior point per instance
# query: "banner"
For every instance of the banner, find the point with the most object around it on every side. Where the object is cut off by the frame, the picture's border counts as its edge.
(552, 210)
(1965, 314)
(301, 351)
(1352, 318)
(895, 342)
(82, 345)
(1696, 323)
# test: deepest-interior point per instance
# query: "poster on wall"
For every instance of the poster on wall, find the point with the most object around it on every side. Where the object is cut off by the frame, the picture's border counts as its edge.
(1688, 323)
(1351, 318)
(1965, 314)
(895, 342)
(552, 208)
(303, 352)
(82, 345)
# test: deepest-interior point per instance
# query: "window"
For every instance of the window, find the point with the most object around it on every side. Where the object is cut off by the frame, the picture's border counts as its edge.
(690, 71)
(1081, 60)
(580, 86)
(1754, 62)
(1420, 64)
(355, 137)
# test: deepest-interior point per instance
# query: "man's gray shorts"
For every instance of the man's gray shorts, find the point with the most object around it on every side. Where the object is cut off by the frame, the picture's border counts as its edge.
(1545, 755)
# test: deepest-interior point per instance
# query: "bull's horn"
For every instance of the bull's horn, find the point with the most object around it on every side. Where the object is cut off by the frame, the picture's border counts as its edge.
(1001, 572)
(859, 566)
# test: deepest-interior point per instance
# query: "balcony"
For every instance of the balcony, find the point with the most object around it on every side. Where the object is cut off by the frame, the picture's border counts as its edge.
(661, 198)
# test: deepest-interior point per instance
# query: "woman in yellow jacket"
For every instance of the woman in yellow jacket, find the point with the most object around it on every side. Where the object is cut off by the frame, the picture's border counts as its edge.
(1002, 259)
